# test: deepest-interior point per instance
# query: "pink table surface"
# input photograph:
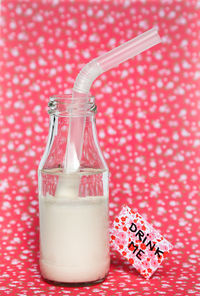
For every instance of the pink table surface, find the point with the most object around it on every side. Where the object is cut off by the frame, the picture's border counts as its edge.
(148, 126)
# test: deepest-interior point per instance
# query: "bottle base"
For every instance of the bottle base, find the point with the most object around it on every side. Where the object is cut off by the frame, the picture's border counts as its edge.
(75, 285)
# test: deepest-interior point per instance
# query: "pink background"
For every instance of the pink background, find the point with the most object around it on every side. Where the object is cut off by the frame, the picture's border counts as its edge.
(148, 124)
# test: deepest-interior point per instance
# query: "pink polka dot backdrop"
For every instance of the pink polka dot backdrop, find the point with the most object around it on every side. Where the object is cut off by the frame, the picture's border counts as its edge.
(147, 121)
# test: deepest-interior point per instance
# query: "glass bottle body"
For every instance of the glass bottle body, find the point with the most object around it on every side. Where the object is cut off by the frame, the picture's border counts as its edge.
(73, 205)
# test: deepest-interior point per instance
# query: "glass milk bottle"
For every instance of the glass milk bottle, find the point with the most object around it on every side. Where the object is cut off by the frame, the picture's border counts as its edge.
(73, 205)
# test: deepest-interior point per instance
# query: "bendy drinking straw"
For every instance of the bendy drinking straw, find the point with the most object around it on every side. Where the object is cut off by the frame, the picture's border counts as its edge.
(85, 79)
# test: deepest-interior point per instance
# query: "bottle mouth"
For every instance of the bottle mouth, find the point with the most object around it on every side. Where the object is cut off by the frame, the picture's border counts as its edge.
(66, 105)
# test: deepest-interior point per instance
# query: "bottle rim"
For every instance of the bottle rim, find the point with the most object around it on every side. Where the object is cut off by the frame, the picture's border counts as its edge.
(66, 105)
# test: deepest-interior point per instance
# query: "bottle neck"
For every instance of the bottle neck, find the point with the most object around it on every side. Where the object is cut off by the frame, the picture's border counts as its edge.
(63, 111)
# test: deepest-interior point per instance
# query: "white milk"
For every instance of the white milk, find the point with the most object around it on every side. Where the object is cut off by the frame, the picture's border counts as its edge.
(74, 238)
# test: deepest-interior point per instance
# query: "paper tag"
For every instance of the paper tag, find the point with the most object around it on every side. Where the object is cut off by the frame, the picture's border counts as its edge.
(136, 240)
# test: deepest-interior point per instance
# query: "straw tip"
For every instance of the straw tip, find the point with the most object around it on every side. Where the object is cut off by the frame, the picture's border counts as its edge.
(156, 29)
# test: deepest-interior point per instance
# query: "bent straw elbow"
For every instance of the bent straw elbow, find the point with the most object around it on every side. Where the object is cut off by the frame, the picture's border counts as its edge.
(86, 77)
